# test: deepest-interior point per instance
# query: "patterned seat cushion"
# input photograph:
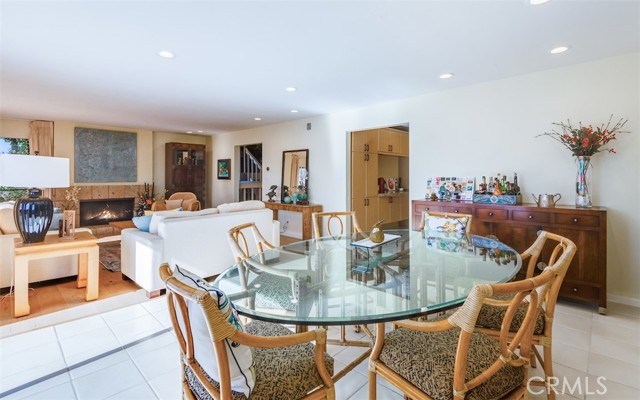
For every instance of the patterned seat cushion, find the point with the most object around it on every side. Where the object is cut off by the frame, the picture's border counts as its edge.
(491, 317)
(427, 360)
(281, 373)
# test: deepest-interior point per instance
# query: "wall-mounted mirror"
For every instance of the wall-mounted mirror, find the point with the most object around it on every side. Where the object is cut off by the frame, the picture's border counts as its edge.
(295, 173)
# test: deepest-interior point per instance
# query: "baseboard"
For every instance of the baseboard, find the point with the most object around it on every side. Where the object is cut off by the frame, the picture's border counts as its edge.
(629, 301)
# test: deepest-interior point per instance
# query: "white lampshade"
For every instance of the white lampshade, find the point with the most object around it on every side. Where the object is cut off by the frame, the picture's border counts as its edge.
(17, 170)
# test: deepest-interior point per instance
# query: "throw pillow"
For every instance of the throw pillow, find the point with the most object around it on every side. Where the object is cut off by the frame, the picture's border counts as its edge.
(446, 224)
(241, 206)
(142, 223)
(240, 358)
(173, 204)
(7, 223)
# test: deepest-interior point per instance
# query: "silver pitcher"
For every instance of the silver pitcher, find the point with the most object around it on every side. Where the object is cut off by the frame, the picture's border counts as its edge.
(546, 200)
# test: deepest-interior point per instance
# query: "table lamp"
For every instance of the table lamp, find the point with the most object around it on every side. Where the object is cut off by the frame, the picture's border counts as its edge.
(33, 214)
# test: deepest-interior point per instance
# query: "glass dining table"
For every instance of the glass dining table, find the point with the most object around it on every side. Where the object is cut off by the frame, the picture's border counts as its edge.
(349, 280)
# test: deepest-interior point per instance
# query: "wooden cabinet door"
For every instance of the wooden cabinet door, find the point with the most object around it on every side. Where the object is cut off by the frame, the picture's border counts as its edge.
(364, 141)
(384, 211)
(372, 213)
(392, 141)
(395, 208)
(364, 174)
(359, 205)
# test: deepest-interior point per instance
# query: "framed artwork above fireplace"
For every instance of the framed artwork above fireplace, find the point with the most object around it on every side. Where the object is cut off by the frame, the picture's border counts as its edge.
(105, 156)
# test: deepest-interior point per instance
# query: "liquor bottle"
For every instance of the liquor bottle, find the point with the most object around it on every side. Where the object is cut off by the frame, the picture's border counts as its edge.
(504, 184)
(483, 186)
(491, 185)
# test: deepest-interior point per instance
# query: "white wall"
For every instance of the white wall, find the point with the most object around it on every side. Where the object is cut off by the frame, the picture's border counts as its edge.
(481, 130)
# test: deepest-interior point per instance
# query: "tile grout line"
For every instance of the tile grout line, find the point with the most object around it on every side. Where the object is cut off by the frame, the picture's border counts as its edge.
(82, 363)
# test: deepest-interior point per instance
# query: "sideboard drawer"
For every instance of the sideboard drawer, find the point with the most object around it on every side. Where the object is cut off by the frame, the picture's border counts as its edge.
(579, 291)
(527, 216)
(419, 208)
(577, 220)
(457, 209)
(492, 214)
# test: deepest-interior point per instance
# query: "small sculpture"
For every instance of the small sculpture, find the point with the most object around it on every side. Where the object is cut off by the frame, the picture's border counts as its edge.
(272, 193)
(377, 235)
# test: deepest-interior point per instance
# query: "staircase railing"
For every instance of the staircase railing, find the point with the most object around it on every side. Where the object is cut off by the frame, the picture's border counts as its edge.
(250, 177)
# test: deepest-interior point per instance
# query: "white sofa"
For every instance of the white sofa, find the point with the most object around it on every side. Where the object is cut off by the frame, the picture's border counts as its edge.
(39, 270)
(195, 240)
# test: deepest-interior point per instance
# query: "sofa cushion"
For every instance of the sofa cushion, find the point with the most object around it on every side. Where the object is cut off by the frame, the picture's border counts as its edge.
(240, 358)
(173, 204)
(142, 222)
(7, 223)
(158, 216)
(241, 206)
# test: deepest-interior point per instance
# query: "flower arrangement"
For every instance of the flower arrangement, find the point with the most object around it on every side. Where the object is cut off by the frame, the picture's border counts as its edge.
(146, 198)
(586, 140)
(71, 198)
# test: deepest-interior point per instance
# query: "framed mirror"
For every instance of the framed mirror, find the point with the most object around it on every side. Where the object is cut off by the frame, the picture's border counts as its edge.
(295, 176)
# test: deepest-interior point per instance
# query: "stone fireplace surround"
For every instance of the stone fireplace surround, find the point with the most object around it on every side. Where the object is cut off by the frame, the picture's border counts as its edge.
(97, 192)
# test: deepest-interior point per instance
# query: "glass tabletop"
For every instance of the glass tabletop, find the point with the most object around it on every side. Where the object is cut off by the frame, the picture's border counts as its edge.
(349, 280)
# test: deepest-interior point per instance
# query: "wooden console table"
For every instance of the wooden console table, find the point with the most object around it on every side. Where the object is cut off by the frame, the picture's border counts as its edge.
(85, 246)
(306, 210)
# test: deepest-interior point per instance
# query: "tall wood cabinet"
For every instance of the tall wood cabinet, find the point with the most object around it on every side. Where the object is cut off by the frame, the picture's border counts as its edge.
(185, 169)
(517, 225)
(371, 150)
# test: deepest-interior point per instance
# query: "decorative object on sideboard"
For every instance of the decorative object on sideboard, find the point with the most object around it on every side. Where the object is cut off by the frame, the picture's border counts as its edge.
(546, 200)
(33, 214)
(271, 194)
(450, 188)
(147, 197)
(377, 234)
(498, 190)
(584, 142)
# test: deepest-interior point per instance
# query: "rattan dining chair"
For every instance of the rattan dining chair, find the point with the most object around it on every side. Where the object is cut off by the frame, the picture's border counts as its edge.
(449, 358)
(284, 365)
(561, 251)
(241, 250)
(445, 222)
(335, 224)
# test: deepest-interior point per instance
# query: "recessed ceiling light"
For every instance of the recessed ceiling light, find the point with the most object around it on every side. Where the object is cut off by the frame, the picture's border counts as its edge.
(291, 89)
(199, 131)
(446, 75)
(166, 54)
(294, 111)
(189, 131)
(559, 49)
(537, 2)
(257, 119)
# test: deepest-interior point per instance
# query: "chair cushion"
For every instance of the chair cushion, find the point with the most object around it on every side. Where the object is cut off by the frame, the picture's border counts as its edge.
(445, 224)
(173, 204)
(427, 360)
(281, 373)
(491, 317)
(240, 357)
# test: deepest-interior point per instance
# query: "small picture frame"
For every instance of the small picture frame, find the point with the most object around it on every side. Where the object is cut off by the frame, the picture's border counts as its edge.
(391, 184)
(68, 225)
(224, 168)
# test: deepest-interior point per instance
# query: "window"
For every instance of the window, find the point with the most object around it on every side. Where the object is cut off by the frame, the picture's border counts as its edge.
(13, 146)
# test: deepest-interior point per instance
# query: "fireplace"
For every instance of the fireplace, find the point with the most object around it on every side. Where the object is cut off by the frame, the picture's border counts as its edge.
(103, 211)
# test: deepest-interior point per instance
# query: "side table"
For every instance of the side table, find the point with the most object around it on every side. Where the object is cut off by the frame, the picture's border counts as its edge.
(306, 211)
(85, 246)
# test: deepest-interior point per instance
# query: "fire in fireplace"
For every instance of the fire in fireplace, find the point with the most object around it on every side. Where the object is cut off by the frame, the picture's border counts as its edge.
(103, 211)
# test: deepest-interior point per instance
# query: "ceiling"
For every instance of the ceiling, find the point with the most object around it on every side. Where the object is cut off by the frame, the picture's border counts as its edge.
(96, 62)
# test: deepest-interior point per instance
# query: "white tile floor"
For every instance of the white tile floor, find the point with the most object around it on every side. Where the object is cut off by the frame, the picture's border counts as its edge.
(128, 351)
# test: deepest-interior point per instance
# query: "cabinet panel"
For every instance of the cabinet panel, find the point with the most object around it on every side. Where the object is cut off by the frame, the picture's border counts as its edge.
(365, 141)
(185, 169)
(577, 220)
(531, 216)
(364, 174)
(392, 141)
(493, 214)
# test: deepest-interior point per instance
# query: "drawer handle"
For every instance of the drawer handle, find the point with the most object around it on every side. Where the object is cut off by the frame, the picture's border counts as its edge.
(491, 214)
(575, 220)
(575, 289)
(455, 211)
(530, 216)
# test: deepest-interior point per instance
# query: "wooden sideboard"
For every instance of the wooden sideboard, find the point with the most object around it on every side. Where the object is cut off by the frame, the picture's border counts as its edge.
(306, 210)
(517, 225)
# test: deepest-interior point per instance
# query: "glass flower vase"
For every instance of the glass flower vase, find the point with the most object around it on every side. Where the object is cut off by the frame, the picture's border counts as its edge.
(583, 182)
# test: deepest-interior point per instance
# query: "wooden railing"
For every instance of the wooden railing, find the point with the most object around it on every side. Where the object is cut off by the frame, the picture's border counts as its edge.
(250, 177)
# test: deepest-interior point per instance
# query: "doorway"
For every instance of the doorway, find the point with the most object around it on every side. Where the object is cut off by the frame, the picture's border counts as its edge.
(250, 172)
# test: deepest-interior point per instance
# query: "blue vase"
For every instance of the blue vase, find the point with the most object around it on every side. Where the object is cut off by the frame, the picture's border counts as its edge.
(287, 199)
